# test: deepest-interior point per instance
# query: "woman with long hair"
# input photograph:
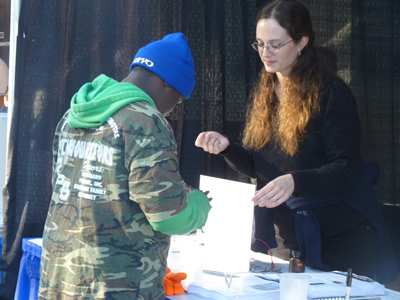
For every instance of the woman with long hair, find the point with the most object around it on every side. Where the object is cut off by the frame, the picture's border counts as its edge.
(301, 142)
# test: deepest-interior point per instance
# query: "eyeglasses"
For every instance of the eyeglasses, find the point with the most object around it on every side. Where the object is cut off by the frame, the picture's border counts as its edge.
(272, 48)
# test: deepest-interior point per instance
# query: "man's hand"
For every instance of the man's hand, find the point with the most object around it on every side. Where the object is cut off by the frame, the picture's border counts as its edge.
(187, 188)
(206, 193)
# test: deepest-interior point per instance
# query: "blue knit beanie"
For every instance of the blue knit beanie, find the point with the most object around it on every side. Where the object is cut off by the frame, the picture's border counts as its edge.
(171, 60)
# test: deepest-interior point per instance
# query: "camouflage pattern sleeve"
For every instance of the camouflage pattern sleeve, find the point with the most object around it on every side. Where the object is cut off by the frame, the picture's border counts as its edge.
(154, 179)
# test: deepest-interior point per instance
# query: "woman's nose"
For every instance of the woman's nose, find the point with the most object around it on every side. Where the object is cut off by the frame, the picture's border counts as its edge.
(265, 52)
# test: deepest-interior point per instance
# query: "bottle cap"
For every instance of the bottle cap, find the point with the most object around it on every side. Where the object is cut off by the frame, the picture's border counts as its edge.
(296, 253)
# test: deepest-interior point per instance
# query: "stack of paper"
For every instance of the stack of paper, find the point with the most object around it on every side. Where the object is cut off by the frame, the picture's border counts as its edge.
(246, 287)
(333, 284)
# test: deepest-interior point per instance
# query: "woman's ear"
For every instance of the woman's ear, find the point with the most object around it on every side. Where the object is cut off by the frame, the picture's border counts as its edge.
(303, 43)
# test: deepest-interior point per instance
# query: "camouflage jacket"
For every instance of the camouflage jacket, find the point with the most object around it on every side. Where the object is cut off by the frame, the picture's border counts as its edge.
(108, 183)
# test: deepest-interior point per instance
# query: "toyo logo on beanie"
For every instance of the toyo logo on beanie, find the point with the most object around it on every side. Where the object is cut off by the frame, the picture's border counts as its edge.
(170, 59)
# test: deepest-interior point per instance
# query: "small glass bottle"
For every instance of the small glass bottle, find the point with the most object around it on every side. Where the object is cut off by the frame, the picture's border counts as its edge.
(297, 263)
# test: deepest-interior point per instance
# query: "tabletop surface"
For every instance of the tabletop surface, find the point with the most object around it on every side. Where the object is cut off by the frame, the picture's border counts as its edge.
(260, 259)
(265, 260)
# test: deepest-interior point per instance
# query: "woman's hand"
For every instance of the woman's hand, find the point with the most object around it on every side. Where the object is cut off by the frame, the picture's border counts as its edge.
(275, 192)
(212, 142)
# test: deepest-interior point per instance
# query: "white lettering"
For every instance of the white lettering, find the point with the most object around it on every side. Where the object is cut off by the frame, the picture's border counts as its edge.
(64, 191)
(100, 153)
(98, 184)
(113, 126)
(142, 60)
(59, 164)
(104, 156)
(80, 149)
(87, 196)
(70, 147)
(110, 160)
(81, 187)
(93, 152)
(85, 181)
(62, 147)
(97, 191)
(60, 179)
(87, 150)
(91, 176)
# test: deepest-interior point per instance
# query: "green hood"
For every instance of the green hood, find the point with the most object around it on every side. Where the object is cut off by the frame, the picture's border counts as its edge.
(95, 102)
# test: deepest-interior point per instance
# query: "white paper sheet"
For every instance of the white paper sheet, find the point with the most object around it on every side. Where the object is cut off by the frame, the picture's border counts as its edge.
(227, 233)
(244, 287)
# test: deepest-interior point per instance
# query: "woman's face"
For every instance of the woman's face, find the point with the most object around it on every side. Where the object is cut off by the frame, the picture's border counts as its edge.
(269, 31)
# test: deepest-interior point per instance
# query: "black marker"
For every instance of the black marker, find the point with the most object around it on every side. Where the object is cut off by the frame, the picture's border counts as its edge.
(348, 283)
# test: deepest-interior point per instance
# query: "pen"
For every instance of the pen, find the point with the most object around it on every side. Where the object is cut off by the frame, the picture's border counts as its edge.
(228, 283)
(348, 283)
(268, 279)
(340, 298)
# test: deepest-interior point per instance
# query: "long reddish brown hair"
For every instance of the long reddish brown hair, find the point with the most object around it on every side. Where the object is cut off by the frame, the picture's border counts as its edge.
(286, 120)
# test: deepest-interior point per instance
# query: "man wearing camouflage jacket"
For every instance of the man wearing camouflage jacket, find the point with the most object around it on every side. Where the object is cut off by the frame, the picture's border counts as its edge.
(117, 192)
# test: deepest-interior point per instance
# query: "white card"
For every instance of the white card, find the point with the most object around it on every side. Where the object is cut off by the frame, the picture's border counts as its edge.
(228, 231)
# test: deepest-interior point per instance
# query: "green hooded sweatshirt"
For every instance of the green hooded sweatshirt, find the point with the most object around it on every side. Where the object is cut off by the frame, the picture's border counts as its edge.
(94, 103)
